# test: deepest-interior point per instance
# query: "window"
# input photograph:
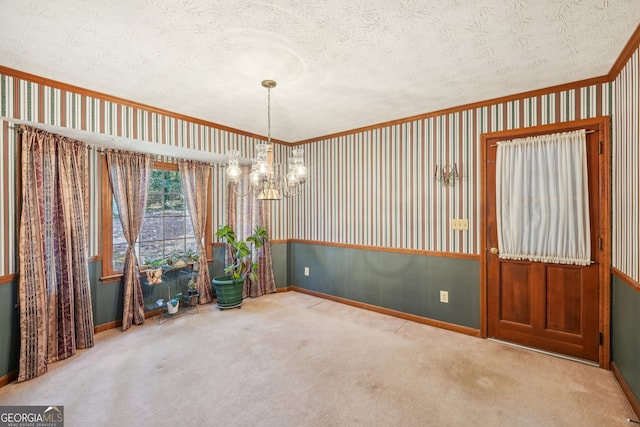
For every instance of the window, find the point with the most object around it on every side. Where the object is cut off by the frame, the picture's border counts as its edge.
(166, 228)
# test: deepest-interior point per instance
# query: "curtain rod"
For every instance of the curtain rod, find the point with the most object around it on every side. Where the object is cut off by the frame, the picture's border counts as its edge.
(586, 131)
(103, 150)
(101, 142)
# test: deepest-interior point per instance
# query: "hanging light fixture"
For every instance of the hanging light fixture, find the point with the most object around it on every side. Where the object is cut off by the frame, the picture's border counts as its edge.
(268, 179)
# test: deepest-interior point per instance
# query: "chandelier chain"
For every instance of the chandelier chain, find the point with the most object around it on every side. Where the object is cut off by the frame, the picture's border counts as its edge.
(269, 115)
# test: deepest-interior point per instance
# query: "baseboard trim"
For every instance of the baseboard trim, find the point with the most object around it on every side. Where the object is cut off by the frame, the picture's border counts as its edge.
(9, 378)
(406, 316)
(107, 326)
(118, 323)
(633, 401)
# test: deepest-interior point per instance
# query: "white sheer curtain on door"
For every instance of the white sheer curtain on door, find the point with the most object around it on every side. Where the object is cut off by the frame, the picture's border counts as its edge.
(542, 199)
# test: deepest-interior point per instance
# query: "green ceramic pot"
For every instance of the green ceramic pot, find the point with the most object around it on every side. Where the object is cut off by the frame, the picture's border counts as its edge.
(229, 291)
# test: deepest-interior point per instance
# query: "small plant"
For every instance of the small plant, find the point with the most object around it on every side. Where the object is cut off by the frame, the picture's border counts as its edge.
(173, 258)
(191, 255)
(155, 263)
(241, 265)
(192, 287)
(181, 258)
(176, 299)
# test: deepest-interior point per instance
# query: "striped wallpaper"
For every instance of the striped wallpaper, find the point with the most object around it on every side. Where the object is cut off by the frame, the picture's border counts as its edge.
(8, 217)
(625, 180)
(376, 187)
(372, 187)
(26, 100)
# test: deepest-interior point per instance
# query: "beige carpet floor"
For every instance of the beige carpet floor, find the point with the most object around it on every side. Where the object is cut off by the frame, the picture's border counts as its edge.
(290, 359)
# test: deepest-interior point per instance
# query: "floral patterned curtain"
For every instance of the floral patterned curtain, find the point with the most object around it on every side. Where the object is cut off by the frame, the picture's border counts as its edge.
(129, 174)
(243, 215)
(53, 290)
(195, 181)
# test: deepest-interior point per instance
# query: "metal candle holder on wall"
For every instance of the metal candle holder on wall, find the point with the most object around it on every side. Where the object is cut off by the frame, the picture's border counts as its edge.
(446, 174)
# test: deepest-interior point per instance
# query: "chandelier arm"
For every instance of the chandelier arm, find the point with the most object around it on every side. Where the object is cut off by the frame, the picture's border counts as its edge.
(239, 193)
(287, 192)
(280, 181)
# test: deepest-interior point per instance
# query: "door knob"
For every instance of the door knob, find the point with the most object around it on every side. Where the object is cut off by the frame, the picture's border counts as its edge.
(494, 251)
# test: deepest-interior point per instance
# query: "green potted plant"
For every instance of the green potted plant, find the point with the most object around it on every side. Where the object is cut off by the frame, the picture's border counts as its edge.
(229, 286)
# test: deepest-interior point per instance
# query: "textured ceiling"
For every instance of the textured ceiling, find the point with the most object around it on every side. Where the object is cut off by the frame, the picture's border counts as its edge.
(339, 65)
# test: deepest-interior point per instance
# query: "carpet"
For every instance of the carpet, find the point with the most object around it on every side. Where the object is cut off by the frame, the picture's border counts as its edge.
(291, 359)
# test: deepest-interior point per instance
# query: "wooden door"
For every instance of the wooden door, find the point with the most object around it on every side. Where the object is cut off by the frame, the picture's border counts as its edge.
(553, 307)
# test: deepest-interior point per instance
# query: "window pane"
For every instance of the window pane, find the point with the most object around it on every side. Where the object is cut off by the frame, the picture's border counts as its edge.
(154, 204)
(151, 251)
(151, 229)
(156, 183)
(115, 213)
(191, 245)
(174, 227)
(119, 252)
(116, 226)
(188, 226)
(172, 182)
(173, 246)
(118, 234)
(174, 204)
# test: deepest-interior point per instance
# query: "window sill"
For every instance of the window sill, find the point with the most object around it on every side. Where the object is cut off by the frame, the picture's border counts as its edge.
(111, 278)
(117, 277)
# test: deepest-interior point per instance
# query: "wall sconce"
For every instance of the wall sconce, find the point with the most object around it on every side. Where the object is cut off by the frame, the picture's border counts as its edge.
(446, 174)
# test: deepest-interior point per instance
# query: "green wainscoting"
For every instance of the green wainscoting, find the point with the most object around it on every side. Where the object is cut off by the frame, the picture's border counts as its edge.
(106, 298)
(279, 260)
(625, 332)
(404, 282)
(9, 329)
(216, 268)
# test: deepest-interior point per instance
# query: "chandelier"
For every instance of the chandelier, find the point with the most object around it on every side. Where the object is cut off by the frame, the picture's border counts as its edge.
(267, 179)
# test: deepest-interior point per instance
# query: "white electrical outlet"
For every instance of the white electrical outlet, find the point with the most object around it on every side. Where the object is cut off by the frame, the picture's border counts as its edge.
(444, 297)
(459, 224)
(306, 271)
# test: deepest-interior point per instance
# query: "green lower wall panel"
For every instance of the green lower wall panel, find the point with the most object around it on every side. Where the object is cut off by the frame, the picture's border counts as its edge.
(625, 332)
(9, 328)
(217, 266)
(106, 298)
(279, 253)
(404, 282)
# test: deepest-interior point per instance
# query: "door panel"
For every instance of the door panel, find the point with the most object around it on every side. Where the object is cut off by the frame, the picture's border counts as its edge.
(552, 307)
(515, 295)
(564, 300)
